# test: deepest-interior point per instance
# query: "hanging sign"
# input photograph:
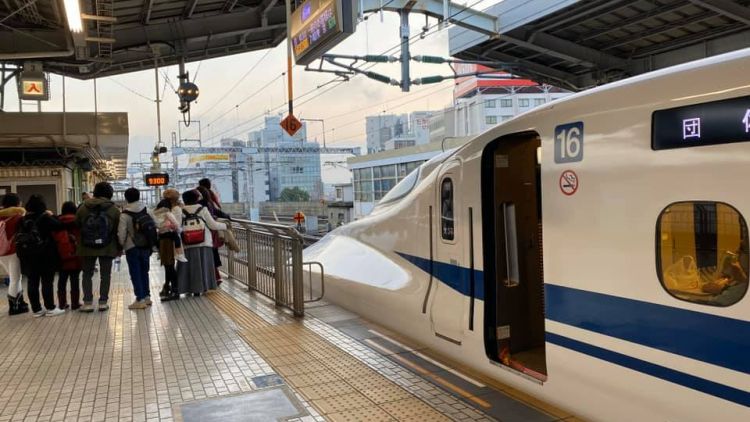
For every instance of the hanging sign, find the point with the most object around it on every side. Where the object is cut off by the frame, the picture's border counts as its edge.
(291, 124)
(156, 179)
(316, 26)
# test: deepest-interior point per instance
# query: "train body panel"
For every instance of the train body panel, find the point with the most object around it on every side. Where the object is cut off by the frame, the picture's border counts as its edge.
(585, 309)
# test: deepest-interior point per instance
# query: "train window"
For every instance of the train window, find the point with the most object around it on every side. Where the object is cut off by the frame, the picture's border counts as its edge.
(402, 188)
(702, 252)
(446, 209)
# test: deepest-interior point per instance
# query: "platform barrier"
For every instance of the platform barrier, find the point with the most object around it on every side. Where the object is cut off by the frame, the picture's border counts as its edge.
(270, 262)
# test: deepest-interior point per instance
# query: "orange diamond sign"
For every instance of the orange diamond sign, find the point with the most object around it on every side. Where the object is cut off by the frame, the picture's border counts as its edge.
(291, 124)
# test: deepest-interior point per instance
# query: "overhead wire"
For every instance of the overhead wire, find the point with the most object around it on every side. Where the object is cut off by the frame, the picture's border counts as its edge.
(131, 90)
(364, 66)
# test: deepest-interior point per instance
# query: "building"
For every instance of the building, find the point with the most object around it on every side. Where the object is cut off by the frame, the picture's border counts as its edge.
(483, 101)
(479, 103)
(382, 128)
(289, 161)
(375, 174)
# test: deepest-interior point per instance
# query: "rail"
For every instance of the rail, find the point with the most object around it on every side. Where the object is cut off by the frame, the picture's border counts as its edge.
(269, 261)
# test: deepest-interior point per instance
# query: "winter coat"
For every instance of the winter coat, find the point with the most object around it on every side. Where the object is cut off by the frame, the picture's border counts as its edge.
(70, 227)
(125, 229)
(211, 224)
(12, 217)
(49, 260)
(113, 214)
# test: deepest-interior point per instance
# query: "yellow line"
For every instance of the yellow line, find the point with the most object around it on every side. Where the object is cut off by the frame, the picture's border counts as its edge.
(458, 390)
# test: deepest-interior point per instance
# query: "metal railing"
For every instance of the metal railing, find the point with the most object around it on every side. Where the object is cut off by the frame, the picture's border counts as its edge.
(270, 262)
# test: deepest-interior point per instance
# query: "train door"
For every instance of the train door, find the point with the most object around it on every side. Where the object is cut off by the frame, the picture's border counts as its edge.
(446, 310)
(514, 286)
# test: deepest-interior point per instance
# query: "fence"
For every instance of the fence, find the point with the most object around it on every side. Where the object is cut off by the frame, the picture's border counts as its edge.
(270, 262)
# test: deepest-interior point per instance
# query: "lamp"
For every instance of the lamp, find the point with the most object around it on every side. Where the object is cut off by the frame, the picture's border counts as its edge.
(73, 14)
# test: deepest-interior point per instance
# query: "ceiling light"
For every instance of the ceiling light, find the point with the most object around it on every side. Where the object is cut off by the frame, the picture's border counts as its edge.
(73, 14)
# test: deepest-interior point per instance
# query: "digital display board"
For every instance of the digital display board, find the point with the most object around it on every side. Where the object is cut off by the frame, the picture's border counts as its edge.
(316, 26)
(712, 123)
(157, 179)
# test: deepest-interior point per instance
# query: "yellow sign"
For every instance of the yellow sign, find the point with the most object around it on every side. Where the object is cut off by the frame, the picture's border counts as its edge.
(208, 157)
(33, 88)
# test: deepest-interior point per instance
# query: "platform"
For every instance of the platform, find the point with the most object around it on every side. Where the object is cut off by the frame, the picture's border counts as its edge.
(231, 356)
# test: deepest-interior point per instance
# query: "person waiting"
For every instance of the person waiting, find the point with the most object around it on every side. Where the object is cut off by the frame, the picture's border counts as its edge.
(11, 214)
(137, 235)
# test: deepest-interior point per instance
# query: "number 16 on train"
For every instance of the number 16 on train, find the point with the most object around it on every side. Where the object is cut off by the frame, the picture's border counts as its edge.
(569, 142)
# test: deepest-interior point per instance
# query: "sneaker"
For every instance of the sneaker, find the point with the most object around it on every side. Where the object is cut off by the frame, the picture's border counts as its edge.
(103, 306)
(138, 304)
(181, 257)
(148, 301)
(38, 314)
(87, 307)
(55, 312)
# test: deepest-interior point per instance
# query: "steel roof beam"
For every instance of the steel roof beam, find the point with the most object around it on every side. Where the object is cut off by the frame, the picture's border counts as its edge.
(146, 11)
(190, 8)
(568, 50)
(635, 20)
(727, 8)
(229, 5)
(184, 31)
(687, 20)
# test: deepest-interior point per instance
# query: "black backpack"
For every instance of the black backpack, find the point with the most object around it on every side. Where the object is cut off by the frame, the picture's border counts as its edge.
(96, 231)
(29, 242)
(144, 229)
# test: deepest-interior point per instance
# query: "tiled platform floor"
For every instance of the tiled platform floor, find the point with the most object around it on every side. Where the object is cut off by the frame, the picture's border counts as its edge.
(143, 365)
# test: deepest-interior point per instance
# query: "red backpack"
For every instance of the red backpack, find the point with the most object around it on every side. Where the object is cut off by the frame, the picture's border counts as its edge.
(66, 244)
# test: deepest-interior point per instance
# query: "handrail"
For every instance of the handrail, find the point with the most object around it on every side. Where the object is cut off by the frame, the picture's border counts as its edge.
(269, 261)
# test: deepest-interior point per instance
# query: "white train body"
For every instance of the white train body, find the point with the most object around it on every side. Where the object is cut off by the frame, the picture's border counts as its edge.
(616, 343)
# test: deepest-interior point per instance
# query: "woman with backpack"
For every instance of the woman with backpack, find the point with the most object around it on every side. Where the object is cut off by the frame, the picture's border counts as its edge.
(11, 214)
(197, 274)
(208, 200)
(71, 263)
(37, 251)
(168, 217)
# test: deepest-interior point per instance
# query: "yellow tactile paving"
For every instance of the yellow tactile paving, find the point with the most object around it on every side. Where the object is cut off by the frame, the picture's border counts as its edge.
(338, 385)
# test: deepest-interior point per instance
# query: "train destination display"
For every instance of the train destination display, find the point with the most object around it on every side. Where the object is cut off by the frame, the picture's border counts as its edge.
(716, 122)
(316, 26)
(157, 179)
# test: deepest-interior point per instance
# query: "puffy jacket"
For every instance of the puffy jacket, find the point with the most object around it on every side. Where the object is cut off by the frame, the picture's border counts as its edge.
(113, 214)
(50, 259)
(125, 229)
(69, 226)
(12, 217)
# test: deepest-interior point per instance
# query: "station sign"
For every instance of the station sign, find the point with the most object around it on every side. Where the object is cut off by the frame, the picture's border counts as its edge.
(712, 123)
(33, 83)
(316, 26)
(156, 179)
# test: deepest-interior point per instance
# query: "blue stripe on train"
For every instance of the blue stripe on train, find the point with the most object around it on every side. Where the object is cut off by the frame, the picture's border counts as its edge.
(708, 338)
(455, 276)
(686, 380)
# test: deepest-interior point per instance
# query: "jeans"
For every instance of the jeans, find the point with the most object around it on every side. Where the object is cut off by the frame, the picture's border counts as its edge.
(138, 266)
(75, 294)
(105, 272)
(47, 280)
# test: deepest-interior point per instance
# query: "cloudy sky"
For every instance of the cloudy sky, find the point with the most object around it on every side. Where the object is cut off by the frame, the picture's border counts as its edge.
(233, 99)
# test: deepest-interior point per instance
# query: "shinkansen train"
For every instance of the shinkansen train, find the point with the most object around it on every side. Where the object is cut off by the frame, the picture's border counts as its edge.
(592, 252)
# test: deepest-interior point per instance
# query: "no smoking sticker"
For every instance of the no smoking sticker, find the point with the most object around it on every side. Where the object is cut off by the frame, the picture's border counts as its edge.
(568, 182)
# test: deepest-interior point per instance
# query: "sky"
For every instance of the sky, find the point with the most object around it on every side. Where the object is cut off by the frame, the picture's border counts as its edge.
(237, 91)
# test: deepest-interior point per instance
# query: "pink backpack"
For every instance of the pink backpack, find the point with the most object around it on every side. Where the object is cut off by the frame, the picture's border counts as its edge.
(6, 244)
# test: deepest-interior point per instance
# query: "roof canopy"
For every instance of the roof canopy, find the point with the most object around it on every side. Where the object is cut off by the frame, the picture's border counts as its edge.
(577, 44)
(125, 35)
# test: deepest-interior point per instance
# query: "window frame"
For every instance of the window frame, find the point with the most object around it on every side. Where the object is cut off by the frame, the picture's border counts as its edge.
(449, 178)
(657, 250)
(506, 103)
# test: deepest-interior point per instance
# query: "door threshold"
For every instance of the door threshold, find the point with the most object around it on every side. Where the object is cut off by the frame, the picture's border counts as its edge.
(522, 371)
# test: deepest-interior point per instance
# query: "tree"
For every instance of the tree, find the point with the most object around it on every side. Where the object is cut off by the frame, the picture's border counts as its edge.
(294, 194)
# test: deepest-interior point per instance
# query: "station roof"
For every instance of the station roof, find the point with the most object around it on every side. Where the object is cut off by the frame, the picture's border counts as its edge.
(577, 44)
(124, 35)
(58, 137)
